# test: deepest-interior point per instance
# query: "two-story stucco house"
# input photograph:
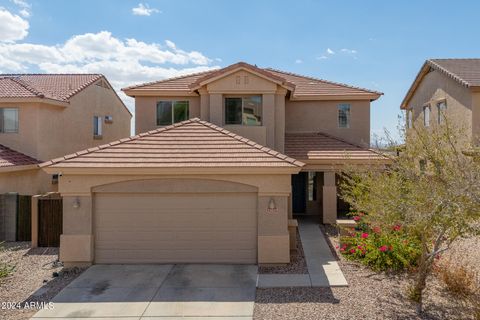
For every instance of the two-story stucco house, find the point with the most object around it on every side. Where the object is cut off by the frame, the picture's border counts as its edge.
(221, 161)
(44, 116)
(446, 87)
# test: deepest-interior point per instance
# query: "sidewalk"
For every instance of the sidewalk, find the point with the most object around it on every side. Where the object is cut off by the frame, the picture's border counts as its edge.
(323, 269)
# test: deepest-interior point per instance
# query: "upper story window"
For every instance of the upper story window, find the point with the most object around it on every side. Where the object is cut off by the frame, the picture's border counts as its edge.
(8, 120)
(97, 127)
(426, 115)
(244, 110)
(343, 115)
(409, 118)
(441, 109)
(169, 112)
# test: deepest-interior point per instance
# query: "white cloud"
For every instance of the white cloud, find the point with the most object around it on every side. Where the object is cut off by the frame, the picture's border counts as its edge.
(25, 8)
(349, 51)
(322, 57)
(12, 26)
(330, 51)
(144, 10)
(299, 61)
(124, 61)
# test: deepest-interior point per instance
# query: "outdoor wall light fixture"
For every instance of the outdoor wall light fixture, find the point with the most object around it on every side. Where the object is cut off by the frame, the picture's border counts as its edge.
(271, 204)
(76, 203)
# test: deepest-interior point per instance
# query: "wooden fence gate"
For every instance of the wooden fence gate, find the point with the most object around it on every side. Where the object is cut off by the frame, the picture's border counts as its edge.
(24, 218)
(50, 222)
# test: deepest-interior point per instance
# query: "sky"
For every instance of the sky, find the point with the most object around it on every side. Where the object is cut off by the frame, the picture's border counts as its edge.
(379, 45)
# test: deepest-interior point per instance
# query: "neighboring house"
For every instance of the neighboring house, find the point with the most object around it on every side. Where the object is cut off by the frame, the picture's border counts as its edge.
(221, 161)
(446, 88)
(44, 116)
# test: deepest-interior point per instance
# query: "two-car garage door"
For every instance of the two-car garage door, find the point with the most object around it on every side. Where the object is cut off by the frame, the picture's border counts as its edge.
(175, 227)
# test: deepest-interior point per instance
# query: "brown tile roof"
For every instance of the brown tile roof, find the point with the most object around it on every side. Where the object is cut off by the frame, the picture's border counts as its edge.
(465, 71)
(302, 86)
(60, 87)
(320, 146)
(188, 144)
(11, 158)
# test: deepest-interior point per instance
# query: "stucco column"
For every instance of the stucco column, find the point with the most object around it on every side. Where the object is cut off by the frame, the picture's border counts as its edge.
(76, 241)
(280, 120)
(204, 105)
(216, 106)
(273, 236)
(329, 198)
(268, 101)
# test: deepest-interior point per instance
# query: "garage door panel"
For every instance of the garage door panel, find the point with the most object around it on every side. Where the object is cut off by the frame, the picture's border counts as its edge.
(166, 228)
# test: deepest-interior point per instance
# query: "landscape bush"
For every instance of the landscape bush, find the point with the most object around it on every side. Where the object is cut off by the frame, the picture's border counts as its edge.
(5, 269)
(381, 249)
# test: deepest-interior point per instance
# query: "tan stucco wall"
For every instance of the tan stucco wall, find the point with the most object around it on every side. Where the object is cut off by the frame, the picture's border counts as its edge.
(322, 116)
(273, 238)
(28, 182)
(49, 131)
(476, 118)
(436, 87)
(146, 111)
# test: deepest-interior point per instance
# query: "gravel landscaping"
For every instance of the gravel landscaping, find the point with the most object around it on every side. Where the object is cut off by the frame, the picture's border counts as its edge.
(369, 295)
(32, 280)
(297, 264)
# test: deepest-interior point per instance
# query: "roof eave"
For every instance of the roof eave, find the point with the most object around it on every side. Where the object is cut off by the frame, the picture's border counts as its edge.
(18, 168)
(154, 92)
(336, 97)
(35, 100)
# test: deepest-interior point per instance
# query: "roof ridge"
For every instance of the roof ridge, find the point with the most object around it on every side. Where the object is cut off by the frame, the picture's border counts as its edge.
(27, 86)
(168, 79)
(323, 80)
(447, 72)
(251, 143)
(86, 84)
(47, 74)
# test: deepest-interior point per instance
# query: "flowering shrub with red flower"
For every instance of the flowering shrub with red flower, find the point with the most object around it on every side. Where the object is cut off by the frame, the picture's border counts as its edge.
(385, 248)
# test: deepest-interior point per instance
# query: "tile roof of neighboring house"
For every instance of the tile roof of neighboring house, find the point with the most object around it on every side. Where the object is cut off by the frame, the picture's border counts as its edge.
(465, 71)
(302, 86)
(59, 87)
(320, 146)
(10, 158)
(189, 144)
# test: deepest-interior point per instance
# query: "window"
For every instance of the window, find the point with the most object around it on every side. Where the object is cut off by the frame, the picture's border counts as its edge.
(344, 115)
(169, 112)
(409, 118)
(97, 126)
(441, 110)
(244, 110)
(9, 120)
(426, 116)
(312, 186)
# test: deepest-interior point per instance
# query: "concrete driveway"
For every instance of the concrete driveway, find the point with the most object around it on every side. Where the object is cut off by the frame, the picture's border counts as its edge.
(158, 291)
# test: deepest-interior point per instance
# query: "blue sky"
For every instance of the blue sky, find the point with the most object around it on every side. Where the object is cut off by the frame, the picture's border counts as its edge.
(378, 45)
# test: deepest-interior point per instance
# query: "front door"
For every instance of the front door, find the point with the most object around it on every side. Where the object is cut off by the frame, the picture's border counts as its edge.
(299, 193)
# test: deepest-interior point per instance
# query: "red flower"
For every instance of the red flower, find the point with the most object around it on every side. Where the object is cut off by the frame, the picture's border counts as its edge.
(383, 248)
(377, 229)
(359, 247)
(364, 235)
(342, 249)
(352, 250)
(356, 218)
(397, 227)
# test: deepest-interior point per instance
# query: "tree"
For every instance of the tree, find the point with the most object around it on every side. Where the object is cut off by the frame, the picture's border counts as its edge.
(432, 189)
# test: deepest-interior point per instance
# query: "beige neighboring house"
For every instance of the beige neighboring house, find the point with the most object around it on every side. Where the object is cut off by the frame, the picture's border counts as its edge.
(221, 162)
(44, 116)
(450, 87)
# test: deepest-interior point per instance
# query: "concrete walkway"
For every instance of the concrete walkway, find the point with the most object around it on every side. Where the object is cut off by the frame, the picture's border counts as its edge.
(323, 269)
(158, 292)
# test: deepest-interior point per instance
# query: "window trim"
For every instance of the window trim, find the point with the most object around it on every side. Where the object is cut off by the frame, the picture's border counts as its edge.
(348, 115)
(242, 97)
(425, 122)
(439, 115)
(2, 119)
(98, 129)
(410, 118)
(173, 111)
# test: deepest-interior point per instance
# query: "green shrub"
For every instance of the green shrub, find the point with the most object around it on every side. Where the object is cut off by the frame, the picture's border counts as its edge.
(5, 269)
(387, 249)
